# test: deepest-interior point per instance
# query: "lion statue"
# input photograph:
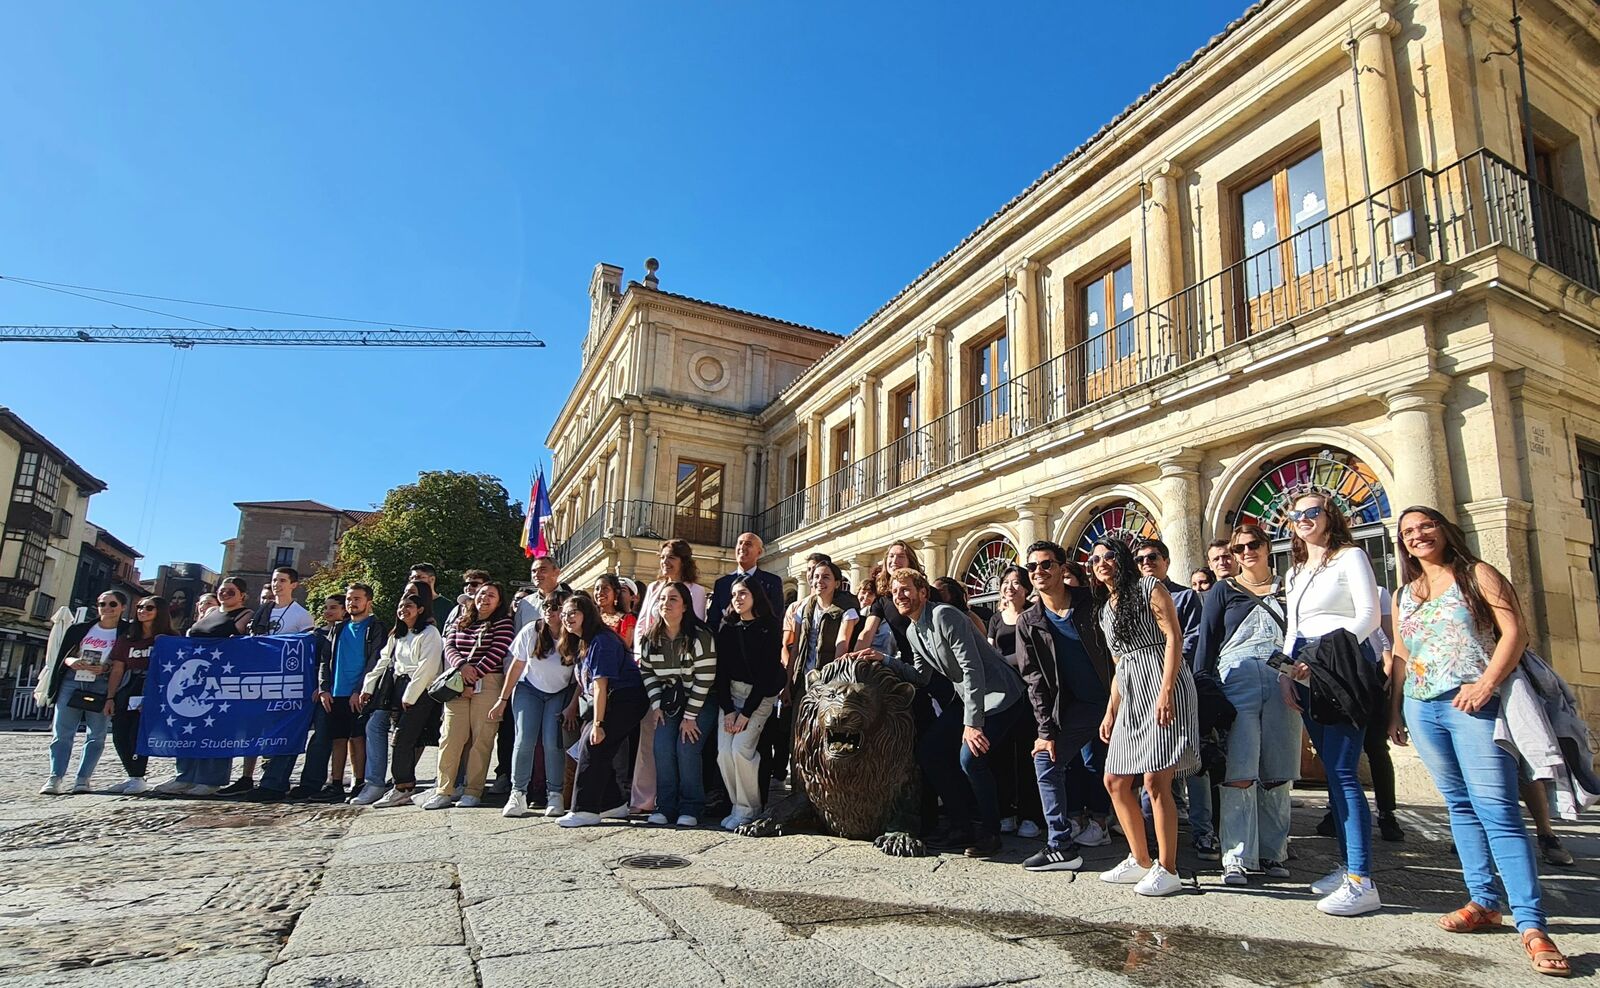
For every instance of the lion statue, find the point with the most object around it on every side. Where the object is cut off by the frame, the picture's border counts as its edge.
(853, 768)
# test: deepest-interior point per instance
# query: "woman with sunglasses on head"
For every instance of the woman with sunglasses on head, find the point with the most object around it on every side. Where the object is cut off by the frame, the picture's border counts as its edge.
(232, 618)
(477, 645)
(1461, 636)
(1151, 725)
(1241, 627)
(130, 660)
(1331, 589)
(77, 679)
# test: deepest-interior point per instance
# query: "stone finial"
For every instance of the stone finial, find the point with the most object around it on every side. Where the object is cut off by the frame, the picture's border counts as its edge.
(650, 267)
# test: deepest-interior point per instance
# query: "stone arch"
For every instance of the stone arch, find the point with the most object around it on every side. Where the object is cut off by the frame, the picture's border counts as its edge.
(1076, 516)
(969, 549)
(1246, 470)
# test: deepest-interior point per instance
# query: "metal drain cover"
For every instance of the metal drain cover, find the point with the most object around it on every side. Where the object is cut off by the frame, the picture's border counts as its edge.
(654, 862)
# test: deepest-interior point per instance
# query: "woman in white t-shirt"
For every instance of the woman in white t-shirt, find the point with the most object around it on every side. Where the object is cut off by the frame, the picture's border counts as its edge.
(538, 688)
(79, 676)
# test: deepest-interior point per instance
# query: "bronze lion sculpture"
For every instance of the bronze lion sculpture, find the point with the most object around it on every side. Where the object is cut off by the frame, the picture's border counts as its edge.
(853, 767)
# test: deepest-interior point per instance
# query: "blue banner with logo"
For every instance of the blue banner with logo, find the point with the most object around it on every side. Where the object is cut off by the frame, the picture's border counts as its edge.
(227, 697)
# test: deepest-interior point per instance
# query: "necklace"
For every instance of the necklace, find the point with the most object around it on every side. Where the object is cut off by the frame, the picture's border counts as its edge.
(1253, 583)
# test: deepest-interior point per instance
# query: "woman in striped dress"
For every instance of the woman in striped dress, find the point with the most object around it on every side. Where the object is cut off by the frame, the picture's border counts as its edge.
(1151, 722)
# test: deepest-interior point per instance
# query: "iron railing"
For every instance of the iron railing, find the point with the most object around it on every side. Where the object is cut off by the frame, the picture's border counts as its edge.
(1480, 201)
(656, 521)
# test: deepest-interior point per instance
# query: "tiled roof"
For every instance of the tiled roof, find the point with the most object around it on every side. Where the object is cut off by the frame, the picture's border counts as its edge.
(305, 504)
(637, 286)
(12, 423)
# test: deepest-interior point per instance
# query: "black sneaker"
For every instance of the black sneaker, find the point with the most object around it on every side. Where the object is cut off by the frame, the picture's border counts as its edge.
(263, 795)
(948, 839)
(1055, 859)
(333, 792)
(238, 787)
(1325, 826)
(983, 846)
(1389, 828)
(1554, 853)
(1206, 848)
(1275, 869)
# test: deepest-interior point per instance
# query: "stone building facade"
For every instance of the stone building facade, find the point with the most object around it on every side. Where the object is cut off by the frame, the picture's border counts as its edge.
(303, 534)
(1316, 252)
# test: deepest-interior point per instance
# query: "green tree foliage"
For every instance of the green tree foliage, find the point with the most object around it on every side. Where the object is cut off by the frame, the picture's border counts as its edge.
(456, 521)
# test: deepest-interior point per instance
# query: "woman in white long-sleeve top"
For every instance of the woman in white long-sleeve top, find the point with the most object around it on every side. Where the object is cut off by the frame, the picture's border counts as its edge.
(415, 651)
(1331, 588)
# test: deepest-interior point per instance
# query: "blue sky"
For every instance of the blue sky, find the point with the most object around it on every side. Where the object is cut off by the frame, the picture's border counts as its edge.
(468, 166)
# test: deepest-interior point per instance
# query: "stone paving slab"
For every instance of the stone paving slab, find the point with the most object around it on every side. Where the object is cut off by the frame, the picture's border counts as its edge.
(390, 967)
(672, 963)
(335, 924)
(603, 916)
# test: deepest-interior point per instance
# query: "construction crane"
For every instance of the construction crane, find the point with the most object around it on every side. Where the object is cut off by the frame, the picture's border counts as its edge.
(187, 338)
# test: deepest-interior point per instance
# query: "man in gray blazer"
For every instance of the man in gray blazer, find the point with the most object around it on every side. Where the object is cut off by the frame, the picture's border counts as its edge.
(954, 750)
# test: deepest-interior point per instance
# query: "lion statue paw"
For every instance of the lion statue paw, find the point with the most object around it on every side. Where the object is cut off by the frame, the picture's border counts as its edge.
(761, 826)
(900, 845)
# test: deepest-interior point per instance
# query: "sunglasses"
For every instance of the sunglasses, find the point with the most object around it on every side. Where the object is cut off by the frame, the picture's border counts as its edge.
(1101, 557)
(145, 607)
(1148, 559)
(1042, 566)
(1239, 548)
(1307, 514)
(106, 603)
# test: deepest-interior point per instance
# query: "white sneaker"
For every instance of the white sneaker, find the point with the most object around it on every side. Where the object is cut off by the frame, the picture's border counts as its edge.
(422, 796)
(1158, 881)
(578, 818)
(469, 803)
(1093, 835)
(1127, 872)
(81, 787)
(54, 787)
(619, 813)
(134, 787)
(394, 797)
(369, 794)
(1008, 825)
(554, 804)
(516, 805)
(658, 819)
(438, 801)
(200, 790)
(1028, 829)
(172, 787)
(1352, 898)
(688, 821)
(1234, 874)
(1329, 883)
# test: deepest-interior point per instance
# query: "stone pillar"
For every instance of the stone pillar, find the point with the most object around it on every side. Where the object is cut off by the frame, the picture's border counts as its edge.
(1181, 511)
(1164, 256)
(931, 553)
(934, 373)
(652, 455)
(1421, 467)
(815, 454)
(1025, 318)
(1380, 100)
(633, 461)
(752, 479)
(1032, 524)
(866, 409)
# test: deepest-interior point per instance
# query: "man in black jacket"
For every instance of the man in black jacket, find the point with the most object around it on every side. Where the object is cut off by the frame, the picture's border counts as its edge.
(1065, 663)
(746, 554)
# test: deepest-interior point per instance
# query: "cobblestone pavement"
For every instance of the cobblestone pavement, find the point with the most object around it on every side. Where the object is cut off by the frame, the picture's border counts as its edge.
(154, 891)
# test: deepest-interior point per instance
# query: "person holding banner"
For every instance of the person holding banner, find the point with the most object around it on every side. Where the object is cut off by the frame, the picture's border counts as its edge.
(78, 689)
(476, 645)
(204, 776)
(130, 660)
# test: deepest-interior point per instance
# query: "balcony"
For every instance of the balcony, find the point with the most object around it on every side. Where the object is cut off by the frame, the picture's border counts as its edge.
(1479, 202)
(43, 606)
(655, 521)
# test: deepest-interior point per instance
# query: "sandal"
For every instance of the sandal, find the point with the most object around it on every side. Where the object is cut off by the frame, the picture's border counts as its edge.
(1470, 918)
(1544, 956)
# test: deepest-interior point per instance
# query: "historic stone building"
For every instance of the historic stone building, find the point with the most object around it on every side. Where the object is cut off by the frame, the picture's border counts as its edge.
(1313, 252)
(303, 534)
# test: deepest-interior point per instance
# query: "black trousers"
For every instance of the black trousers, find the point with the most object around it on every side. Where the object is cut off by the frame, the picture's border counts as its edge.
(125, 728)
(595, 787)
(505, 743)
(417, 726)
(1376, 747)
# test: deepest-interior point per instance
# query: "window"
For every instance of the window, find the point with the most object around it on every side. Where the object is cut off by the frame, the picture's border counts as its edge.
(841, 440)
(1106, 304)
(991, 371)
(1589, 474)
(63, 525)
(1275, 217)
(903, 412)
(794, 472)
(283, 556)
(699, 504)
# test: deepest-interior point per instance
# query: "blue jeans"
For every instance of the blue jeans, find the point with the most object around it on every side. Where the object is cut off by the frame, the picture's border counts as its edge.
(1264, 750)
(319, 750)
(940, 750)
(1339, 747)
(377, 768)
(680, 765)
(1068, 785)
(1478, 780)
(205, 771)
(1199, 792)
(538, 721)
(64, 730)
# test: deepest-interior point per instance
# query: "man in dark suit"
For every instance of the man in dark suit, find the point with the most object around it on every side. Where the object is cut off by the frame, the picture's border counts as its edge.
(746, 553)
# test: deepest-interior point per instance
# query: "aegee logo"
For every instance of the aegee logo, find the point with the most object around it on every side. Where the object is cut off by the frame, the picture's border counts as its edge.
(199, 686)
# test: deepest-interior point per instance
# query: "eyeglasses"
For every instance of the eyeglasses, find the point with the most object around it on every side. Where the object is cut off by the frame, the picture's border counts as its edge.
(227, 593)
(1420, 528)
(1102, 557)
(1240, 548)
(1148, 559)
(145, 607)
(107, 603)
(1042, 566)
(1306, 514)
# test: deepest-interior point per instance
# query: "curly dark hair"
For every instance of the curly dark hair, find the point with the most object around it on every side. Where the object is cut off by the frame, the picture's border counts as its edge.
(1125, 585)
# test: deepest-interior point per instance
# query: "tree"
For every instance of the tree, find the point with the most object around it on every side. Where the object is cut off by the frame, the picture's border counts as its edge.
(456, 521)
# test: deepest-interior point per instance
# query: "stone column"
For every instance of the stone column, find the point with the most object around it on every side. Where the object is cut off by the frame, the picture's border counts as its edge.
(1027, 391)
(934, 372)
(1380, 100)
(815, 454)
(1421, 467)
(1181, 510)
(652, 454)
(634, 461)
(866, 407)
(931, 553)
(1164, 255)
(752, 479)
(1032, 523)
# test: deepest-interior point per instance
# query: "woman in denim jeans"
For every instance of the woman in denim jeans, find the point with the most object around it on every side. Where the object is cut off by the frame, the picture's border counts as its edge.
(1331, 588)
(1241, 627)
(1460, 637)
(539, 688)
(678, 661)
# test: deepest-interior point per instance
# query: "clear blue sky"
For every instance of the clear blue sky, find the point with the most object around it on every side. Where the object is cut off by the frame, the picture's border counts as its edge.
(468, 166)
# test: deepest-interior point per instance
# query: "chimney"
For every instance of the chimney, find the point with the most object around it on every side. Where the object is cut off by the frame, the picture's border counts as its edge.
(650, 267)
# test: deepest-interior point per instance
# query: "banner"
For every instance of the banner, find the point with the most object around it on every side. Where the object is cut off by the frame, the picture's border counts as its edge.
(226, 697)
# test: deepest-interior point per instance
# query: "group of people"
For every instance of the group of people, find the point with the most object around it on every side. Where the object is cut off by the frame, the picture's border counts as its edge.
(1095, 691)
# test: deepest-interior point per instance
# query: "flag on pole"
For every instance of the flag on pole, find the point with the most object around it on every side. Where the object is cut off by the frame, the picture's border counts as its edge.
(535, 541)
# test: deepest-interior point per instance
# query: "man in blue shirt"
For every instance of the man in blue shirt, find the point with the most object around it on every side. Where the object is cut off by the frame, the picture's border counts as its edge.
(356, 642)
(1064, 661)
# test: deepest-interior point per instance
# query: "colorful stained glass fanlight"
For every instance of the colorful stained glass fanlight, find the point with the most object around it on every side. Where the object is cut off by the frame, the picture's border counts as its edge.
(983, 574)
(1360, 494)
(1130, 522)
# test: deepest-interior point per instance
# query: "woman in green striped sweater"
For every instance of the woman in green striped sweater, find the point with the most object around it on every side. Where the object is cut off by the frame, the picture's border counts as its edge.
(678, 660)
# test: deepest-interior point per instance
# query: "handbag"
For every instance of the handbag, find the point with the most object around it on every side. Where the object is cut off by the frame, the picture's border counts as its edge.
(450, 684)
(383, 694)
(85, 700)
